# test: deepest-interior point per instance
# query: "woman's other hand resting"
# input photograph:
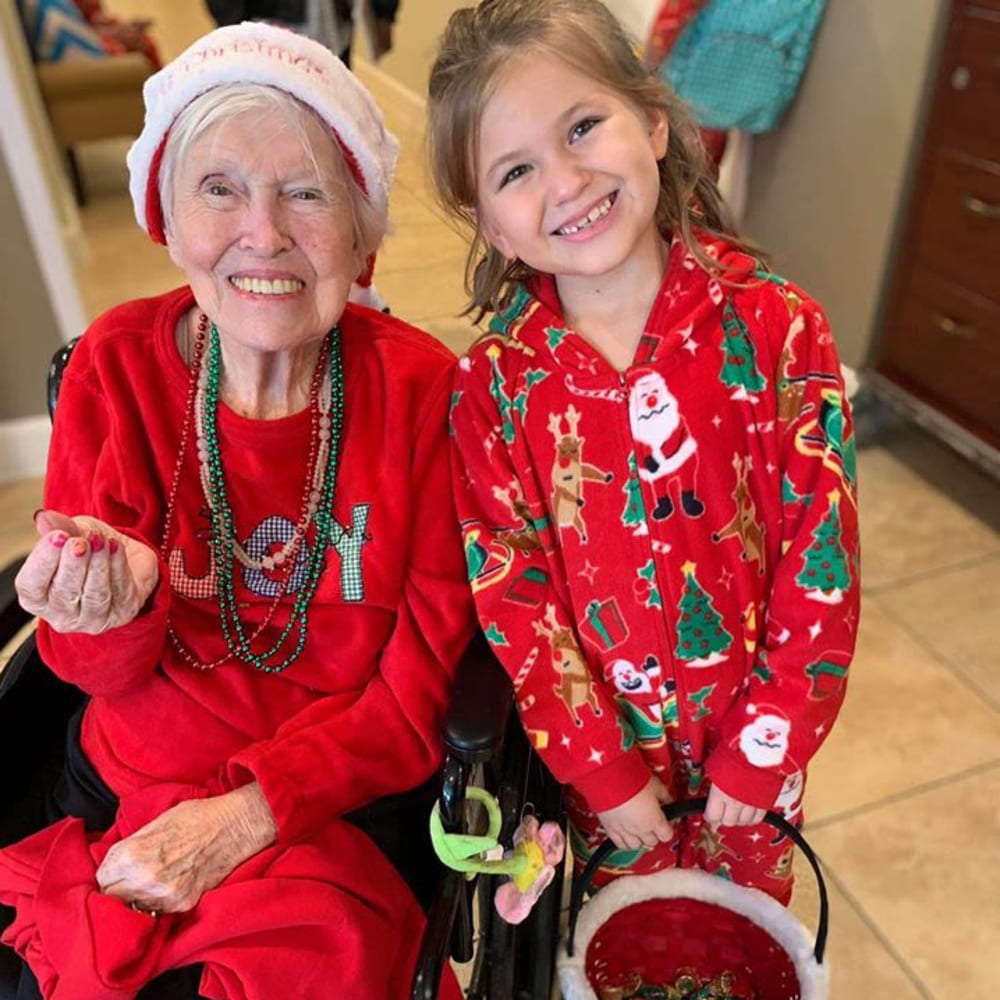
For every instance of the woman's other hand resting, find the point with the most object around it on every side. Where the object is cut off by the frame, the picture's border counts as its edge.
(167, 865)
(83, 576)
(639, 822)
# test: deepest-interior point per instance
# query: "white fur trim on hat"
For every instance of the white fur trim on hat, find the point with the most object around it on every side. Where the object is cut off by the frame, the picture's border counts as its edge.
(277, 57)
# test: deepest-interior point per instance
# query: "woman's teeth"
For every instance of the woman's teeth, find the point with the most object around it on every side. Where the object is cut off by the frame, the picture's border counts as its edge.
(597, 212)
(267, 286)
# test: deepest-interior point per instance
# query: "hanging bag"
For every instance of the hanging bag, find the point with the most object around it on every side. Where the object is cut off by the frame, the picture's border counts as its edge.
(738, 63)
(643, 933)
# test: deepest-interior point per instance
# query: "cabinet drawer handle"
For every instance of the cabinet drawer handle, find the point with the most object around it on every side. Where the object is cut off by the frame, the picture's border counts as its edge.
(979, 207)
(947, 325)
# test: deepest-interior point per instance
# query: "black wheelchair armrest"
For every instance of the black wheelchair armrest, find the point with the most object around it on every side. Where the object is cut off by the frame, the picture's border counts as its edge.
(56, 368)
(18, 664)
(12, 616)
(474, 734)
(480, 705)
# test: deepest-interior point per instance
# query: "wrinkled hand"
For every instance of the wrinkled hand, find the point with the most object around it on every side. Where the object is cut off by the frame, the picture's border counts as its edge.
(83, 576)
(639, 822)
(167, 865)
(724, 810)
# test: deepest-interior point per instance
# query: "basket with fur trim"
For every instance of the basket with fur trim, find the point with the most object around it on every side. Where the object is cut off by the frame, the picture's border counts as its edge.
(685, 933)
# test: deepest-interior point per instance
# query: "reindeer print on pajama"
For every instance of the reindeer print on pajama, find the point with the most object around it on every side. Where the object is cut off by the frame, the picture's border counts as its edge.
(665, 558)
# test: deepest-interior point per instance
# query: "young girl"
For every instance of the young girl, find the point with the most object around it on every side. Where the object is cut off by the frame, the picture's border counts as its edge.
(654, 451)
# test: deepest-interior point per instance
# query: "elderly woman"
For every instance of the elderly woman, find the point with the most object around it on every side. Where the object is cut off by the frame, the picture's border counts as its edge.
(248, 561)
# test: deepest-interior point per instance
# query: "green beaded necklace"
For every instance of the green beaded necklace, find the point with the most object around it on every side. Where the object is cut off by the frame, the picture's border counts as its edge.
(223, 538)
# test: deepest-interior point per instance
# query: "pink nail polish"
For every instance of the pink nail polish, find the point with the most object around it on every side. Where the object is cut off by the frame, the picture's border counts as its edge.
(113, 545)
(59, 539)
(96, 541)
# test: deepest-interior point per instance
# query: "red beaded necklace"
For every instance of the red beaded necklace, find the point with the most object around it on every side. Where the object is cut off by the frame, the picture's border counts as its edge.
(322, 445)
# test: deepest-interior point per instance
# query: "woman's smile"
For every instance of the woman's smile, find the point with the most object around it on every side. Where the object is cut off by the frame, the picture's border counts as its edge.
(266, 286)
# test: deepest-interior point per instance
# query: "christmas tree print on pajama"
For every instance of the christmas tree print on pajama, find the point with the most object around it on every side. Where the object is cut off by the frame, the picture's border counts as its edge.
(825, 574)
(702, 641)
(739, 359)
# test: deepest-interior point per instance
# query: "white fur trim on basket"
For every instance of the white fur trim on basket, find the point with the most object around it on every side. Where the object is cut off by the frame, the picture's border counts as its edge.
(761, 909)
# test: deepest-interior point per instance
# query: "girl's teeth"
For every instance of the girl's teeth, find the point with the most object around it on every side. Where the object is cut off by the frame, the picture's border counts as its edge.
(597, 212)
(267, 286)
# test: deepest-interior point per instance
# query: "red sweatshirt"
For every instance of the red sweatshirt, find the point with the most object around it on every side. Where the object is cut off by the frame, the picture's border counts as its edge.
(358, 715)
(665, 558)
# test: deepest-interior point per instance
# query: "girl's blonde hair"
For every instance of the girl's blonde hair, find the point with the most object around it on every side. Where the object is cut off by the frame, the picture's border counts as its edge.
(478, 44)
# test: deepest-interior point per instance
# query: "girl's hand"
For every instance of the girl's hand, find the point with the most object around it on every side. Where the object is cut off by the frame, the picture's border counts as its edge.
(724, 810)
(167, 865)
(639, 822)
(83, 576)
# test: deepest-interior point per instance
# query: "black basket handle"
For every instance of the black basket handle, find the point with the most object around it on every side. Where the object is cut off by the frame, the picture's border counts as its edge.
(677, 810)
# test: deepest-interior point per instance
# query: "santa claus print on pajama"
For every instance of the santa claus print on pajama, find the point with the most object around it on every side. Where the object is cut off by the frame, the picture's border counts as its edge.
(665, 558)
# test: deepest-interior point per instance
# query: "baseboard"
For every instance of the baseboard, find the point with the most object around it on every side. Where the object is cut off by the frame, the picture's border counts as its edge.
(24, 447)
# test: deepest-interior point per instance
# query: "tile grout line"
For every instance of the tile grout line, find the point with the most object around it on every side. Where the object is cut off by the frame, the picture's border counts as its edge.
(903, 796)
(879, 935)
(941, 658)
(973, 562)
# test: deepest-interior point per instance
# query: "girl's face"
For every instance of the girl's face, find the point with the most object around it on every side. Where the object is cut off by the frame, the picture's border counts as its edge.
(567, 173)
(261, 227)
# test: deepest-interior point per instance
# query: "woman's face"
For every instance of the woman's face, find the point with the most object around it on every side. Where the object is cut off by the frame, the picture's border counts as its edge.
(261, 226)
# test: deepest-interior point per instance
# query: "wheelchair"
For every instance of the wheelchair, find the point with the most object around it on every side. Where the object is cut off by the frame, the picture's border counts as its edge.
(484, 745)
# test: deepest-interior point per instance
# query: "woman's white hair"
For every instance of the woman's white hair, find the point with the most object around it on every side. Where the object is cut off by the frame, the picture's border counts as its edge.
(226, 102)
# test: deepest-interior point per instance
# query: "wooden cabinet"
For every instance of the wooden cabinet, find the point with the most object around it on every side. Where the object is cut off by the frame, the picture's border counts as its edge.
(938, 352)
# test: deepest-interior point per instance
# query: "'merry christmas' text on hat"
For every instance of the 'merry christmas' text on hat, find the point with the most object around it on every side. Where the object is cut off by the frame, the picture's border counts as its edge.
(276, 57)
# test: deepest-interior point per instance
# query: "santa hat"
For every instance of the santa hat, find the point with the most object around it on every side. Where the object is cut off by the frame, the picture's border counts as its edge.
(757, 709)
(275, 57)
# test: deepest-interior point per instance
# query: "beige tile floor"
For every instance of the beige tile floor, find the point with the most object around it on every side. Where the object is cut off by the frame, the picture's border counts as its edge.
(904, 802)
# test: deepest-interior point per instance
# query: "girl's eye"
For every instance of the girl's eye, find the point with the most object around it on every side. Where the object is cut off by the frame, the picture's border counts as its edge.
(307, 195)
(581, 128)
(218, 189)
(513, 174)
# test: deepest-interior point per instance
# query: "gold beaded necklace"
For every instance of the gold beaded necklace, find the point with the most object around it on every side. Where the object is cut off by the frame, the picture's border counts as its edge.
(326, 404)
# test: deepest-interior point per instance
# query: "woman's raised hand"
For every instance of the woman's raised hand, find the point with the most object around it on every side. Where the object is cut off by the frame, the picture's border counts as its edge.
(83, 576)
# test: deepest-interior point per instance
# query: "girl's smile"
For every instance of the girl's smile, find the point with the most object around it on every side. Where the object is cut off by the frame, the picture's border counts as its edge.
(588, 221)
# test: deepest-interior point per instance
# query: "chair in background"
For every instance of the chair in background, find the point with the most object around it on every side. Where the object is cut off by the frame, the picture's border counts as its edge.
(90, 67)
(91, 99)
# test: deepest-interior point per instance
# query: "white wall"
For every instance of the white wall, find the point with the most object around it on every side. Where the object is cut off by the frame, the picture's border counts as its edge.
(39, 302)
(825, 187)
(39, 182)
(636, 15)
